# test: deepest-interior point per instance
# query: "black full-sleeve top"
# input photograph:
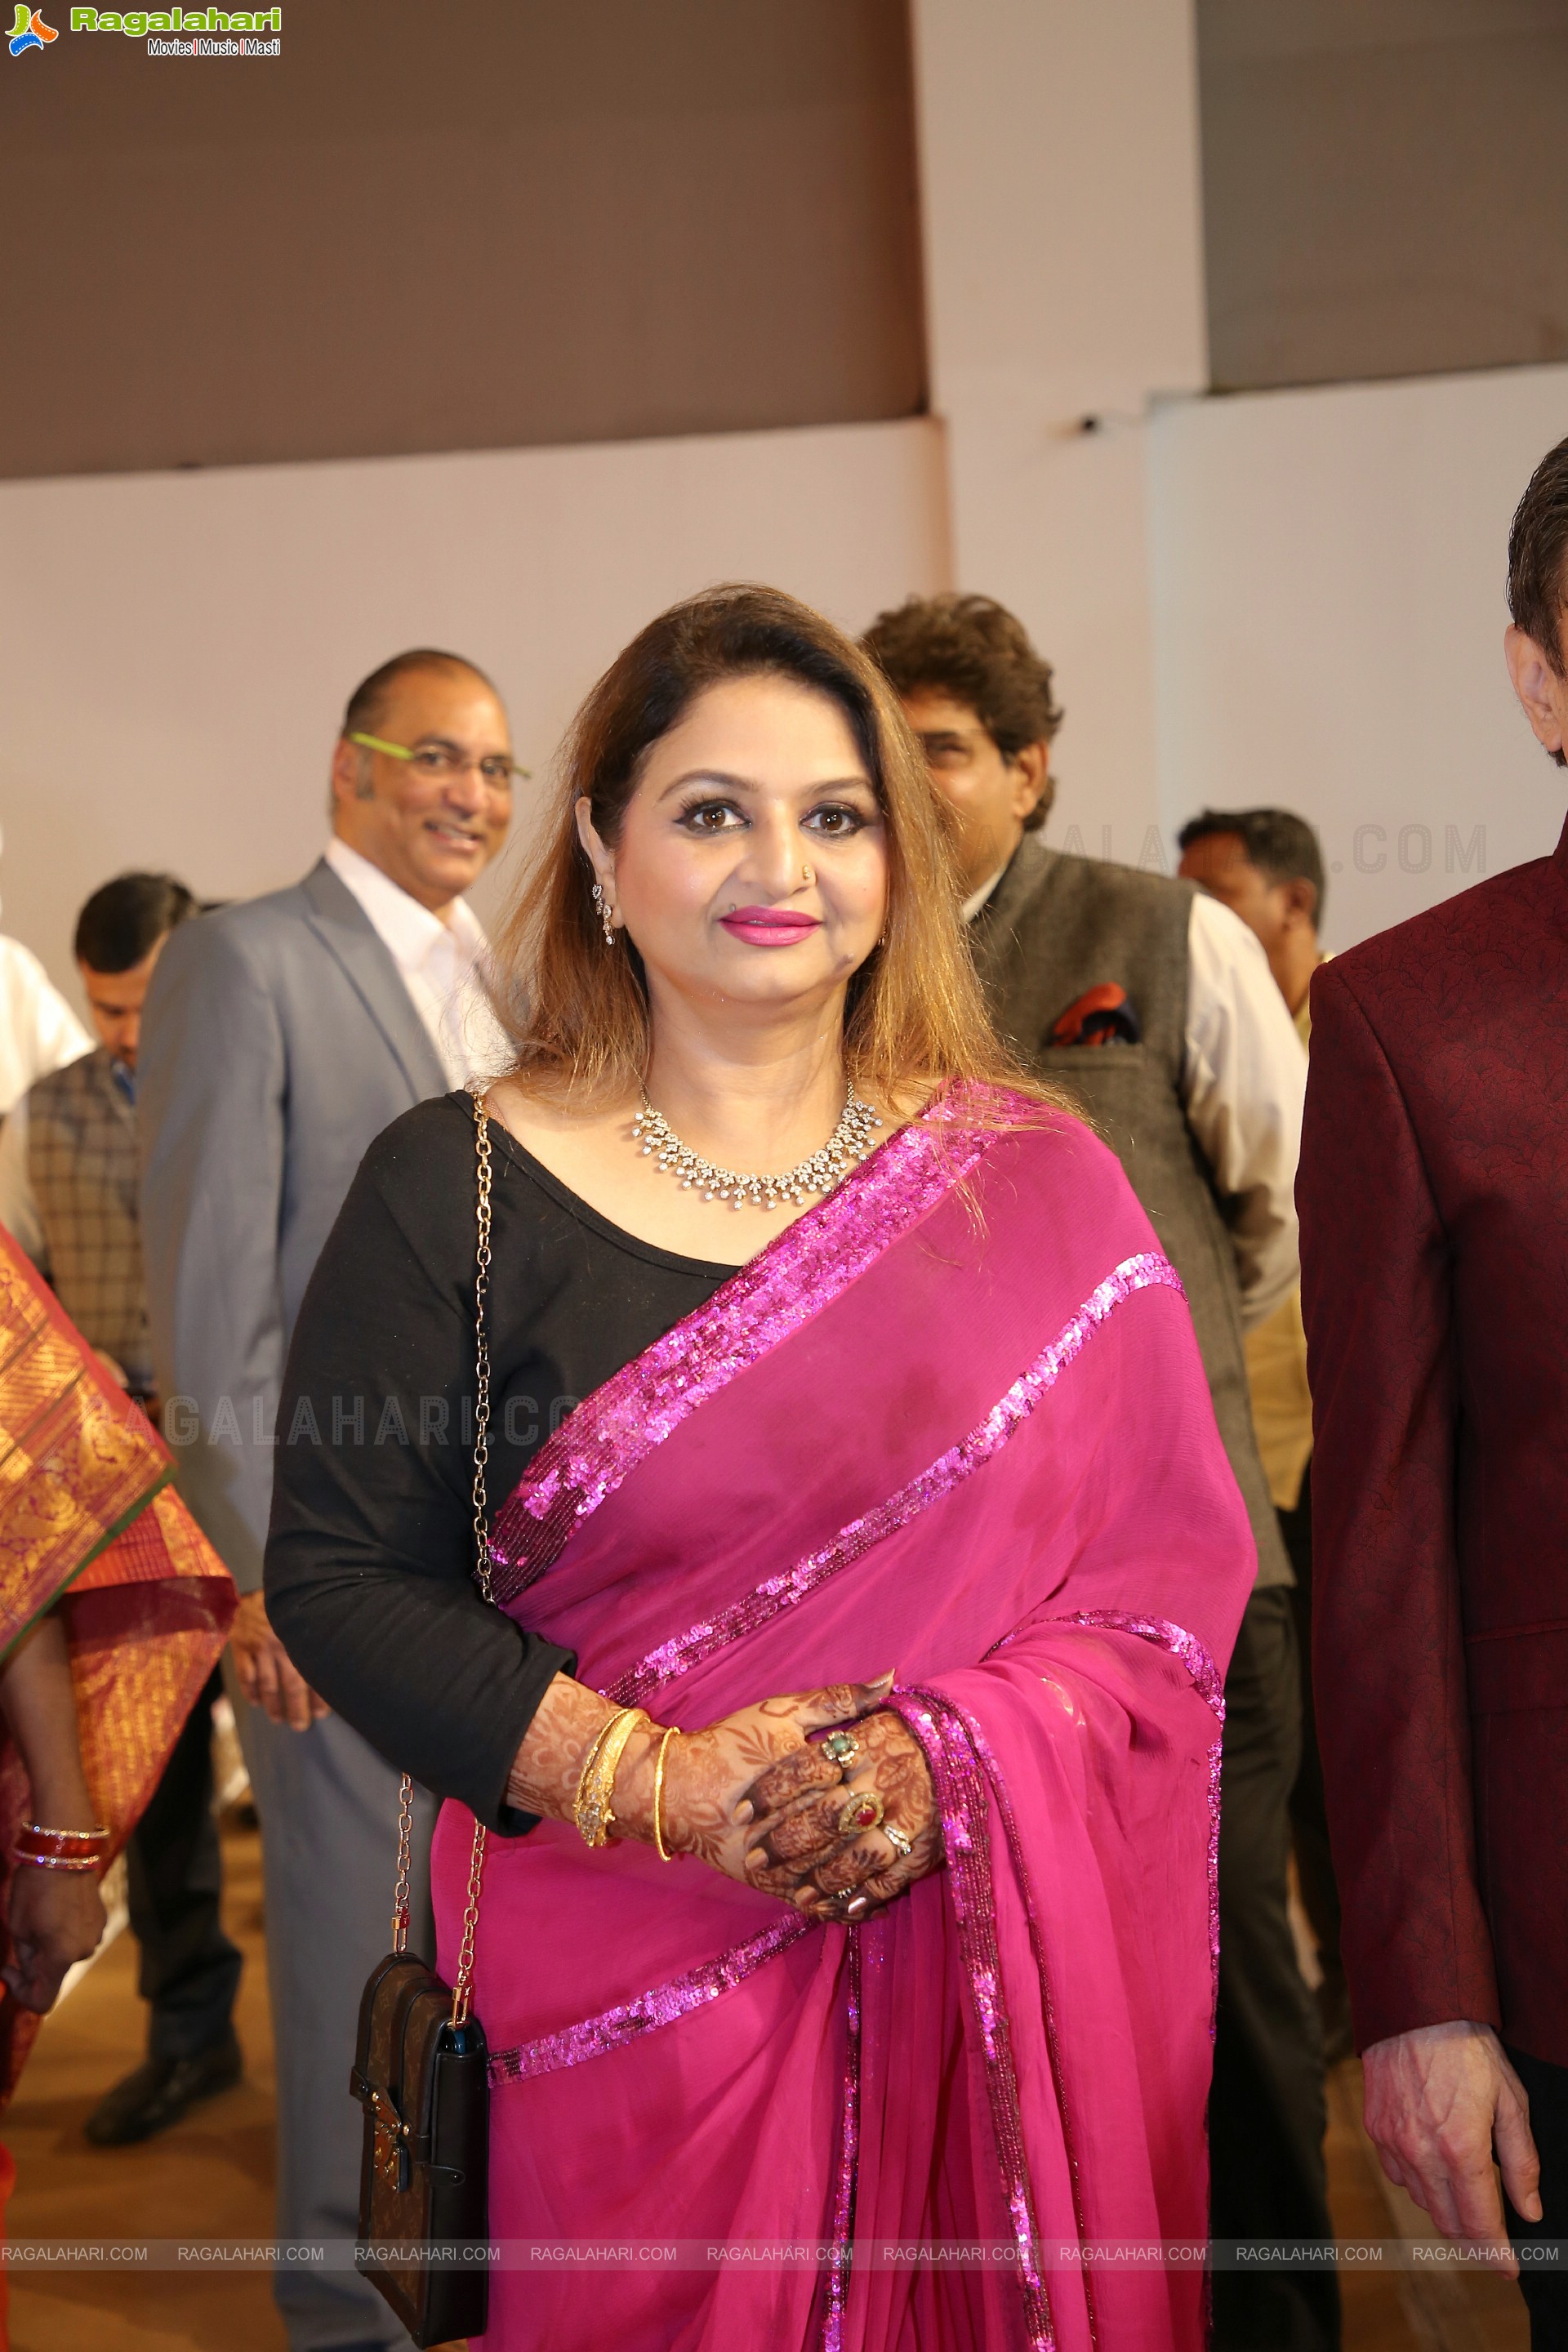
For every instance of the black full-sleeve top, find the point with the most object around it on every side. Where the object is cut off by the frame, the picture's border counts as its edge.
(370, 1557)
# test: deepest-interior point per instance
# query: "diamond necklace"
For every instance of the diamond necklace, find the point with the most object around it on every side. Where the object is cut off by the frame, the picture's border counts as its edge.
(850, 1141)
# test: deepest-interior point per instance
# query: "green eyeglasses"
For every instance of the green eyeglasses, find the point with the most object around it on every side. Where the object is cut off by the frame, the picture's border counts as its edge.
(442, 764)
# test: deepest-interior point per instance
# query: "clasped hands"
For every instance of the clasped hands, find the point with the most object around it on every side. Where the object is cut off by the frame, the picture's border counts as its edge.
(837, 1825)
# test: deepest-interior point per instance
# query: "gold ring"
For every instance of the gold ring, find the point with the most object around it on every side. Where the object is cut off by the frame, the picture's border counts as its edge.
(841, 1747)
(862, 1813)
(902, 1845)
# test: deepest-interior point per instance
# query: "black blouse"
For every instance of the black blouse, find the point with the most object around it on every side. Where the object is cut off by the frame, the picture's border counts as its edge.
(369, 1557)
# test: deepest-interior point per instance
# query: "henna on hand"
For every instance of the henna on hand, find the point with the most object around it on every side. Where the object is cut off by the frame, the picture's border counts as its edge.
(738, 1783)
(802, 1772)
(713, 1778)
(549, 1764)
(805, 1857)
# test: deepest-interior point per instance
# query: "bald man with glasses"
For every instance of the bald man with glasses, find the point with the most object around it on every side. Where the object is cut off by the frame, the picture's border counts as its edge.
(279, 1037)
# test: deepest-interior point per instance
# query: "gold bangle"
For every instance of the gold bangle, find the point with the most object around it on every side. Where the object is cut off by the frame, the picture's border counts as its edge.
(590, 1756)
(596, 1811)
(661, 1848)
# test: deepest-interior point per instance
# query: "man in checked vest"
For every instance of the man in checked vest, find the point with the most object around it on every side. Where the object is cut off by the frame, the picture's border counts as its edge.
(68, 1194)
(1156, 1008)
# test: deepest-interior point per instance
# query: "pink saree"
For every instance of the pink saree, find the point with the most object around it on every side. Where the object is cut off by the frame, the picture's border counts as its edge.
(952, 1422)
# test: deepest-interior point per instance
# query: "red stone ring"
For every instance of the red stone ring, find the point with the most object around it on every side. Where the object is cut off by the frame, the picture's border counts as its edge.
(862, 1813)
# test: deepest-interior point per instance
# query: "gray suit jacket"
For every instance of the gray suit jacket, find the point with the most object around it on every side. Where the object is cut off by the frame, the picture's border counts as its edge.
(278, 1041)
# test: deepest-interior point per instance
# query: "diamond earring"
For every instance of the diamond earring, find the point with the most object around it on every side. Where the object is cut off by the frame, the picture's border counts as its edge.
(603, 904)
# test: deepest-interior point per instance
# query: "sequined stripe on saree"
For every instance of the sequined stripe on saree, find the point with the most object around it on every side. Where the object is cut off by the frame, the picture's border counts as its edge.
(1209, 1684)
(1048, 2002)
(798, 1275)
(701, 1641)
(629, 2021)
(837, 2301)
(964, 1805)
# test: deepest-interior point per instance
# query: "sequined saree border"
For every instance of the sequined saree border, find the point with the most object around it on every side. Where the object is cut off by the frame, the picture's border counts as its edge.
(809, 1265)
(966, 1773)
(699, 1643)
(629, 2021)
(960, 1795)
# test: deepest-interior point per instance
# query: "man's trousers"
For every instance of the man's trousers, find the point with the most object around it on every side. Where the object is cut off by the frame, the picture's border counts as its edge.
(1267, 2115)
(1544, 2281)
(328, 1845)
(173, 1868)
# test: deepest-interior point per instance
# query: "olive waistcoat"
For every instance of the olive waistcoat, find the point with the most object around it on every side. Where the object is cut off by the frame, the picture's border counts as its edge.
(1054, 928)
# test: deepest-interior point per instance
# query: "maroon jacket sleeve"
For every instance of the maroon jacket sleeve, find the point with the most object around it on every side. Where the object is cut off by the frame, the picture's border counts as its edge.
(1388, 1650)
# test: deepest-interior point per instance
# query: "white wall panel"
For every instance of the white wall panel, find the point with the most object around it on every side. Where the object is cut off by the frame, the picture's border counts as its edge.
(178, 647)
(1060, 183)
(1329, 610)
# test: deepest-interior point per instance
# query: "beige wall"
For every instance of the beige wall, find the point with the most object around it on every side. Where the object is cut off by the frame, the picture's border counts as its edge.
(1059, 169)
(1329, 614)
(1383, 190)
(178, 647)
(502, 224)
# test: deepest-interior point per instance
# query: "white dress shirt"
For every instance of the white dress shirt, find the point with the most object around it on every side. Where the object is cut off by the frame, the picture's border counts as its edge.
(1242, 1087)
(1243, 1082)
(39, 1031)
(441, 962)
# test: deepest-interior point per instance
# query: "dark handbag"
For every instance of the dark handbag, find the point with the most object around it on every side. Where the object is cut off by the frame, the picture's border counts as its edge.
(421, 2067)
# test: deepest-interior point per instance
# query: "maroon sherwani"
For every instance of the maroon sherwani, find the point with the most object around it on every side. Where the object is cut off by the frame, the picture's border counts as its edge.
(1433, 1200)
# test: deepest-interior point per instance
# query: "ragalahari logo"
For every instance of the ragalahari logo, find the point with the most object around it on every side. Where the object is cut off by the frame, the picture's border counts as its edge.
(29, 31)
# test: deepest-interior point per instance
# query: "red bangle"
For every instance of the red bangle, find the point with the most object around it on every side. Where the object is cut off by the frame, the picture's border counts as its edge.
(60, 1848)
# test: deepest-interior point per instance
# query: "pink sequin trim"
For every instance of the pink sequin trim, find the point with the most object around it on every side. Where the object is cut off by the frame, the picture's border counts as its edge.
(1053, 2049)
(1209, 1684)
(809, 1265)
(683, 1651)
(613, 2029)
(961, 1799)
(844, 2187)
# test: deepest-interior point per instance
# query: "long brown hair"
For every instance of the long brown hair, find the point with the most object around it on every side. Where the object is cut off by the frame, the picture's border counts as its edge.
(578, 1013)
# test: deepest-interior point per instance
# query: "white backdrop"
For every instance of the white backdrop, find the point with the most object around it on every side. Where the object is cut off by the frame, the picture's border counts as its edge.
(1327, 600)
(178, 649)
(1329, 608)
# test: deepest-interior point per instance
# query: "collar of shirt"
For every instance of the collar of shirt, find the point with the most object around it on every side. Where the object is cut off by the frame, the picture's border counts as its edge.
(977, 898)
(410, 933)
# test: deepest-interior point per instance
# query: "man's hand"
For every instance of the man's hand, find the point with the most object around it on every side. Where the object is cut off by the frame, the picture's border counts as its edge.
(1437, 2101)
(267, 1675)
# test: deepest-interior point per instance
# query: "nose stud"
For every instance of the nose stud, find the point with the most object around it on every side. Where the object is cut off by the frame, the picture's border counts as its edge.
(806, 874)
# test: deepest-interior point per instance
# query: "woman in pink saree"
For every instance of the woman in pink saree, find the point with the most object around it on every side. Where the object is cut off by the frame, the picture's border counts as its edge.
(911, 1966)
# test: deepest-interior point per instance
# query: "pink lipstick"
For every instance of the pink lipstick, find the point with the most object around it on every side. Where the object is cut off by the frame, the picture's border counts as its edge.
(769, 927)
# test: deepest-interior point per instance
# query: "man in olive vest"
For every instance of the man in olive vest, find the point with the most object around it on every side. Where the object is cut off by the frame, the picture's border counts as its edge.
(1155, 1007)
(68, 1183)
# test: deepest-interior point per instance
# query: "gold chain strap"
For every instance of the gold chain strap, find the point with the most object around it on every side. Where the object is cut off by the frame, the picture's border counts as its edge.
(463, 1990)
(405, 1864)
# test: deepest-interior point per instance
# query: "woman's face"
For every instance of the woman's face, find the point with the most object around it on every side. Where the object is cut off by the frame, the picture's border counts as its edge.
(752, 867)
